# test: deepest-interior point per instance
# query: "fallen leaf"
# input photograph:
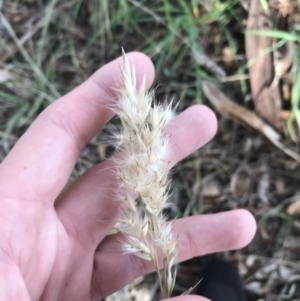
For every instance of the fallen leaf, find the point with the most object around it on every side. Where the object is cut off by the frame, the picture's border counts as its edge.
(264, 88)
(211, 188)
(280, 186)
(102, 150)
(240, 182)
(231, 110)
(294, 208)
(263, 187)
(5, 76)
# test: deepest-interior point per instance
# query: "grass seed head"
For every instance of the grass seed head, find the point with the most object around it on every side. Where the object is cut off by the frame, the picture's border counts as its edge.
(142, 169)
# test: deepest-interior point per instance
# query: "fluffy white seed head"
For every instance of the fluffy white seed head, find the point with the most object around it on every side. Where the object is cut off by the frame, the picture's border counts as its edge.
(142, 168)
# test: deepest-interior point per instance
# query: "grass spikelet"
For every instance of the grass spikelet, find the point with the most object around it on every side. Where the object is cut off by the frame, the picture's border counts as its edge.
(143, 170)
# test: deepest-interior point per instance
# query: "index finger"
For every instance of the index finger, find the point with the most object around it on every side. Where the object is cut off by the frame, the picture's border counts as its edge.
(41, 162)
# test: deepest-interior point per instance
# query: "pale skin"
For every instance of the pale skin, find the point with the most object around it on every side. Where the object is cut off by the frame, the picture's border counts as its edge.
(54, 244)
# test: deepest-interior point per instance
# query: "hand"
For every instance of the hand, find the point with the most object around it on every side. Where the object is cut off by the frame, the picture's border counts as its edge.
(53, 243)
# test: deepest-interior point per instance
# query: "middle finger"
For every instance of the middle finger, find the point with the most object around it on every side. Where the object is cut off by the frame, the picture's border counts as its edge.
(89, 207)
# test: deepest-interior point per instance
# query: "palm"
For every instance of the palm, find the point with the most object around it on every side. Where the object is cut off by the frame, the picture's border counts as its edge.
(54, 243)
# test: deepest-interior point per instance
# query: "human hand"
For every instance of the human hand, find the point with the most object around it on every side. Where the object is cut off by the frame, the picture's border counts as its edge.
(53, 243)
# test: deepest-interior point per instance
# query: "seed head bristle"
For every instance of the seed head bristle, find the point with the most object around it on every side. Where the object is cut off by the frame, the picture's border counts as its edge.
(142, 169)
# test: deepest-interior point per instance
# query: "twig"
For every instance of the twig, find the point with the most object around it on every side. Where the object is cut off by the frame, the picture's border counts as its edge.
(231, 110)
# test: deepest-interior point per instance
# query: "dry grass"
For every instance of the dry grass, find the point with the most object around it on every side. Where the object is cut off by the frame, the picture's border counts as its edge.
(49, 47)
(142, 168)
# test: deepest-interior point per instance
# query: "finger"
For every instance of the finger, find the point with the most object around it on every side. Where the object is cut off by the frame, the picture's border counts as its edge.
(12, 284)
(89, 209)
(42, 160)
(198, 235)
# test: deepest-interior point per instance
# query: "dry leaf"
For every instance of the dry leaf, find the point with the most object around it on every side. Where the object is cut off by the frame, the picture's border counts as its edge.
(265, 92)
(294, 208)
(5, 76)
(240, 183)
(280, 186)
(231, 110)
(264, 187)
(211, 188)
(102, 150)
